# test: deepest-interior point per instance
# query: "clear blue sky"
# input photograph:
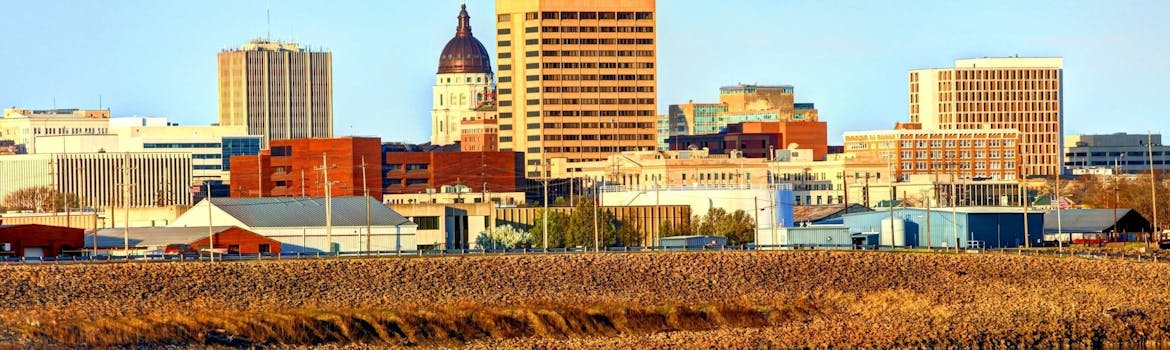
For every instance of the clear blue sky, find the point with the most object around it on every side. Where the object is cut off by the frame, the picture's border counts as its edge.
(157, 57)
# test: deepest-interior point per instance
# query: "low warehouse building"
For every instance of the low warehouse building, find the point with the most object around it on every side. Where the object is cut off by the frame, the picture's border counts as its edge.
(1079, 226)
(182, 240)
(37, 241)
(812, 236)
(970, 227)
(301, 226)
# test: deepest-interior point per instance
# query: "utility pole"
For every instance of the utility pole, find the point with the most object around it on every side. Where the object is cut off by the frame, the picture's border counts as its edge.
(328, 202)
(366, 191)
(596, 205)
(1153, 187)
(544, 219)
(210, 232)
(302, 183)
(126, 204)
(1059, 226)
(259, 175)
(893, 193)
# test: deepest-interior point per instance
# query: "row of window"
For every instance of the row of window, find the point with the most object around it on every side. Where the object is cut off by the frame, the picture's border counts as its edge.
(594, 77)
(602, 149)
(610, 113)
(181, 145)
(1114, 154)
(595, 15)
(598, 101)
(601, 89)
(961, 143)
(599, 29)
(964, 166)
(962, 154)
(603, 41)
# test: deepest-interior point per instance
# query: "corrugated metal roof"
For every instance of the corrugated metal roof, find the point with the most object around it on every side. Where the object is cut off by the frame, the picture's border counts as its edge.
(307, 212)
(1082, 220)
(150, 236)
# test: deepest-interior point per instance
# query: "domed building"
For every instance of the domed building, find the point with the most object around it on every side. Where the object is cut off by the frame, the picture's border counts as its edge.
(463, 82)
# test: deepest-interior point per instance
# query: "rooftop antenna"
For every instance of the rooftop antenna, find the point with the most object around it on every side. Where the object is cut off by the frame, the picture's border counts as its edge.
(268, 17)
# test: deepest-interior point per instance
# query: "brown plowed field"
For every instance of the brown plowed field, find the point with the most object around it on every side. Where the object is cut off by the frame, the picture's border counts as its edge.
(663, 300)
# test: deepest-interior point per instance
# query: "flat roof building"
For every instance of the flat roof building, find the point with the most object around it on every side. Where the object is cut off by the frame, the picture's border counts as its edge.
(1021, 93)
(1120, 153)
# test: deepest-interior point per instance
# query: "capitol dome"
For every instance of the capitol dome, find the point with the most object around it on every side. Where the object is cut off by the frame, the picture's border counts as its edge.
(464, 53)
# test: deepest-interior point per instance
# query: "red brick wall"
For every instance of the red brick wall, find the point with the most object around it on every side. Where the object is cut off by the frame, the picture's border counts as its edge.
(501, 171)
(282, 175)
(248, 241)
(52, 238)
(809, 135)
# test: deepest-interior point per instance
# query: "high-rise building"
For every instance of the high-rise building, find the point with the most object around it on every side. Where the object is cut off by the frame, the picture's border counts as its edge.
(278, 90)
(997, 93)
(577, 79)
(463, 83)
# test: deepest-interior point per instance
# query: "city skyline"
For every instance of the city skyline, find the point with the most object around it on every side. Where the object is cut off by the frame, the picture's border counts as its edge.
(855, 73)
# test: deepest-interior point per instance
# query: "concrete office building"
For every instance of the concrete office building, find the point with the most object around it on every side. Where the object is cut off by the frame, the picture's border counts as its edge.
(576, 79)
(211, 147)
(1115, 153)
(24, 126)
(463, 83)
(278, 90)
(1021, 93)
(103, 179)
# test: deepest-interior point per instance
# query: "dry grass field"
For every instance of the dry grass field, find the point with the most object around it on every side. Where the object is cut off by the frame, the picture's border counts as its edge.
(669, 300)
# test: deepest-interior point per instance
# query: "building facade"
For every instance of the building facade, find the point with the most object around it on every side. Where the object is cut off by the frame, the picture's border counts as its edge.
(277, 90)
(1025, 94)
(463, 83)
(298, 168)
(576, 79)
(1115, 153)
(471, 175)
(738, 104)
(101, 180)
(759, 139)
(964, 154)
(24, 126)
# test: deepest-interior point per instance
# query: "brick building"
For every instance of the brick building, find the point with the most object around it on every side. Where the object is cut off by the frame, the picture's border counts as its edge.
(291, 168)
(755, 139)
(409, 170)
(35, 241)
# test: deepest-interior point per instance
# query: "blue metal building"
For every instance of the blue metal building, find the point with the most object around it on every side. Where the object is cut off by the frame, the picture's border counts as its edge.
(990, 227)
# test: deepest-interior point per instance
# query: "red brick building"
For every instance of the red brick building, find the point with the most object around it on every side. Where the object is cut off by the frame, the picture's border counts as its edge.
(755, 139)
(415, 172)
(34, 240)
(291, 168)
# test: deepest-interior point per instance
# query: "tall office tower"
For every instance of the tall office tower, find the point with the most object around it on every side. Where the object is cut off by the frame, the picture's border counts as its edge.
(997, 93)
(577, 79)
(278, 90)
(463, 83)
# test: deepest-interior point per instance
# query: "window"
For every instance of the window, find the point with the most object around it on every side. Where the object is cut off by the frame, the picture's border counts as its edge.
(233, 249)
(531, 30)
(427, 222)
(264, 248)
(503, 31)
(416, 166)
(282, 183)
(504, 43)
